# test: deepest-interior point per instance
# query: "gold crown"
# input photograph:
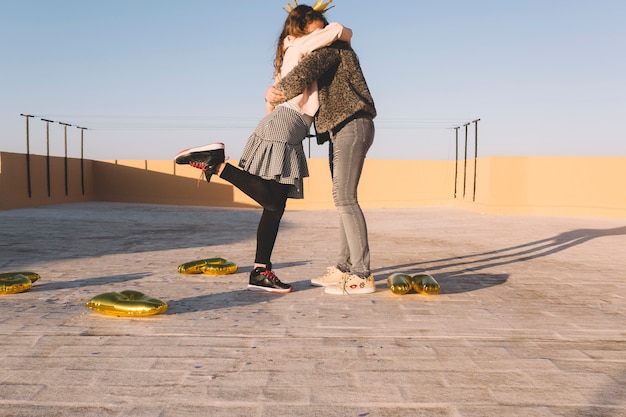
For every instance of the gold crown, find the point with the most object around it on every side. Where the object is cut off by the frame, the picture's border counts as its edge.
(319, 6)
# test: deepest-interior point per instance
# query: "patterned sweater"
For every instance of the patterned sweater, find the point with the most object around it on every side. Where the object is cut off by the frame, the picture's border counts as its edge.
(342, 88)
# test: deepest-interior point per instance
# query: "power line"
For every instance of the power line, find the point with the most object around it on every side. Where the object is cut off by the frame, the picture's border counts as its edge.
(195, 122)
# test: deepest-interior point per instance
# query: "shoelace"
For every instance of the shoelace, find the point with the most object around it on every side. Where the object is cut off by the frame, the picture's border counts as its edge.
(270, 275)
(201, 166)
(342, 283)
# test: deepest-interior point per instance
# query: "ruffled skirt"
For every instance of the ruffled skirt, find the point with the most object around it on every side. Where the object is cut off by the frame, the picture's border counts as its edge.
(274, 151)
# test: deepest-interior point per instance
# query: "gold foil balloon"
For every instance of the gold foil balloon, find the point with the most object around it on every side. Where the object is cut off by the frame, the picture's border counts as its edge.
(13, 284)
(426, 284)
(32, 276)
(210, 266)
(126, 304)
(399, 283)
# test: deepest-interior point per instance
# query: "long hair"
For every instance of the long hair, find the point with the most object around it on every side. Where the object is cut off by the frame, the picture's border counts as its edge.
(297, 20)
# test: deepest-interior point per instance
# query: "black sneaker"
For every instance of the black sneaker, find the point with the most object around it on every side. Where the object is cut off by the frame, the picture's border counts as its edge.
(262, 279)
(206, 158)
(187, 155)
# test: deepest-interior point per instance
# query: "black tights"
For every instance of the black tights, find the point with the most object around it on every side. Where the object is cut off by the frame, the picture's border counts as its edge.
(272, 196)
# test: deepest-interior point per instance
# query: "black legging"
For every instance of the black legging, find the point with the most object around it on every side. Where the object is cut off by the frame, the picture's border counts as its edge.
(272, 196)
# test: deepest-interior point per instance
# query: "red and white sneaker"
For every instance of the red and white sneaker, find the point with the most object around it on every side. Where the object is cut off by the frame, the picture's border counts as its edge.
(352, 284)
(332, 276)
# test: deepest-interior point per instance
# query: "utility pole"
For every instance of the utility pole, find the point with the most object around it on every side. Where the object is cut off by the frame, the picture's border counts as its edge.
(475, 154)
(82, 169)
(48, 151)
(465, 163)
(28, 116)
(456, 158)
(65, 125)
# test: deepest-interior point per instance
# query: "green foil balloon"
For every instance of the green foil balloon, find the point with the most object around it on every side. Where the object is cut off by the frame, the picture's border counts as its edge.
(425, 284)
(399, 283)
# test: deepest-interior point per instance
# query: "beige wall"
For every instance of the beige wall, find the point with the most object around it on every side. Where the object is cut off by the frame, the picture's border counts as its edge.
(570, 186)
(383, 184)
(565, 186)
(14, 181)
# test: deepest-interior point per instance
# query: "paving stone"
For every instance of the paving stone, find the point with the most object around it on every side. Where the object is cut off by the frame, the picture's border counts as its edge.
(529, 321)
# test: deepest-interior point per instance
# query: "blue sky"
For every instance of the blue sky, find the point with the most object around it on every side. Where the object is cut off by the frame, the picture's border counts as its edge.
(150, 77)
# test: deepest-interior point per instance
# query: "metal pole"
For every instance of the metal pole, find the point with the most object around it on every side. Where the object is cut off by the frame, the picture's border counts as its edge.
(309, 136)
(82, 168)
(475, 154)
(456, 159)
(27, 116)
(65, 125)
(48, 151)
(465, 163)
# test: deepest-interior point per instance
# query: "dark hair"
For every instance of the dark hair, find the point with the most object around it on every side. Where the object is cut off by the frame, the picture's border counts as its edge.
(298, 19)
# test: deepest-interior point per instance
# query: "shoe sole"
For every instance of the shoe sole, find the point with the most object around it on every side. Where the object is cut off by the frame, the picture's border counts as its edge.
(324, 284)
(352, 292)
(272, 290)
(182, 157)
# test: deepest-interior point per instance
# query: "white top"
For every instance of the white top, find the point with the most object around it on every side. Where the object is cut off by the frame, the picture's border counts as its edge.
(307, 103)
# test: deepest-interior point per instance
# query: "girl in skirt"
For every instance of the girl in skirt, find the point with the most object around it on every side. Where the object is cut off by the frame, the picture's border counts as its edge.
(273, 163)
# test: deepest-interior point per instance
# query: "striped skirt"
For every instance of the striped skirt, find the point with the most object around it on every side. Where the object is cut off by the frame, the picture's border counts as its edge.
(274, 151)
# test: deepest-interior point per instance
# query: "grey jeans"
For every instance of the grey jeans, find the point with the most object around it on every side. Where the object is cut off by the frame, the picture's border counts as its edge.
(348, 148)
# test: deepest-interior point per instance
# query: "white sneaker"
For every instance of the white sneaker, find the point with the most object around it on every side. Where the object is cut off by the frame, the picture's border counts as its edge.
(332, 276)
(352, 284)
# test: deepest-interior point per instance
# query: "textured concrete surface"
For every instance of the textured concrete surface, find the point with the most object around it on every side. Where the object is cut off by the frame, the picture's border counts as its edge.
(530, 321)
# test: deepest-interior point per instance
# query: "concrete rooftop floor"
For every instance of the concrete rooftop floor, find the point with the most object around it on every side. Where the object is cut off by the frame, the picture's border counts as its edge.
(530, 321)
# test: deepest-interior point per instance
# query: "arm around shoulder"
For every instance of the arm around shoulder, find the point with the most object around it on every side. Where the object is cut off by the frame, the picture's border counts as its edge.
(323, 37)
(310, 68)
